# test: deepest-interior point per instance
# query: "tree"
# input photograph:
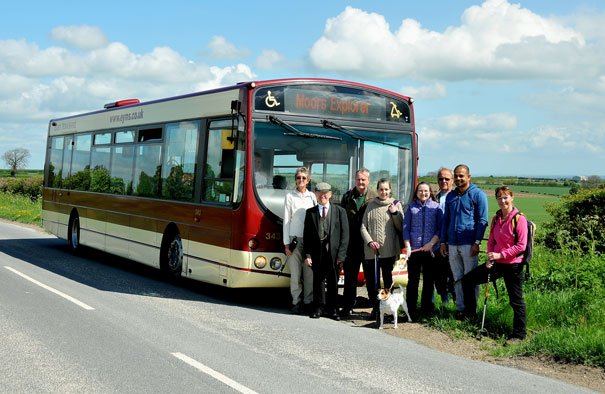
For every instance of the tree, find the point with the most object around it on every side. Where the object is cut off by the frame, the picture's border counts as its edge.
(16, 159)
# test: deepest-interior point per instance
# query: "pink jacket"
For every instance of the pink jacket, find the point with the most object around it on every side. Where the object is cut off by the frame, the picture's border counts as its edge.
(502, 238)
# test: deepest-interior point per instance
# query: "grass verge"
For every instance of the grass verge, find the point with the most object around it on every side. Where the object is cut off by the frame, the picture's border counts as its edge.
(21, 209)
(565, 301)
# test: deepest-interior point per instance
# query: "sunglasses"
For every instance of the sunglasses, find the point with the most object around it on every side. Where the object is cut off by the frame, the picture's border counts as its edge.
(444, 179)
(301, 177)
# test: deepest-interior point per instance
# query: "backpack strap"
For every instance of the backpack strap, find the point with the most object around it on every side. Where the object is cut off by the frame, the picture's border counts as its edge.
(524, 262)
(515, 221)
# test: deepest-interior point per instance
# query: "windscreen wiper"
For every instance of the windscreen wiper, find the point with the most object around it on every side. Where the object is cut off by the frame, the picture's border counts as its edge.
(294, 131)
(334, 126)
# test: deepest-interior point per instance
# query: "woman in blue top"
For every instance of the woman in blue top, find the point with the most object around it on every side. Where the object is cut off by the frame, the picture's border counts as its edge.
(421, 227)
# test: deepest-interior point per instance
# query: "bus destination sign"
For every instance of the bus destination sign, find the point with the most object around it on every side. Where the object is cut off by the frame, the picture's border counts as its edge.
(331, 101)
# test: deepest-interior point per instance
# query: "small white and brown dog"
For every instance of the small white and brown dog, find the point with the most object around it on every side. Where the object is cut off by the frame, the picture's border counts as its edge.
(390, 302)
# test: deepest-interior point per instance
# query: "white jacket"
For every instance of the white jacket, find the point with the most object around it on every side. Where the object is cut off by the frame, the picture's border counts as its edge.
(295, 206)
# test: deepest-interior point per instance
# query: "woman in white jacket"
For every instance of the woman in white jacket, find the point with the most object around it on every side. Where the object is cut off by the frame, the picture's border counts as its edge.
(301, 277)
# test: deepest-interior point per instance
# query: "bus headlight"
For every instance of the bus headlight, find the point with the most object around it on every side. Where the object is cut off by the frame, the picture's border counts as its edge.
(275, 263)
(260, 262)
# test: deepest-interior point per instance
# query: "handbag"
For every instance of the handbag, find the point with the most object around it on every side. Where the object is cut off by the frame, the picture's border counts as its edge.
(293, 244)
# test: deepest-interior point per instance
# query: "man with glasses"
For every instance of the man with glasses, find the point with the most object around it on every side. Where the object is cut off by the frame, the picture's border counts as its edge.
(354, 202)
(301, 276)
(444, 279)
(464, 223)
(326, 235)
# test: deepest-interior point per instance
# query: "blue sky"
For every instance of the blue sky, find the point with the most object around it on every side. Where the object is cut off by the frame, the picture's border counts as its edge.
(507, 88)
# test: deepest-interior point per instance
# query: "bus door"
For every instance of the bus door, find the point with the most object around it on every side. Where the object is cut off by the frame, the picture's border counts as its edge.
(221, 188)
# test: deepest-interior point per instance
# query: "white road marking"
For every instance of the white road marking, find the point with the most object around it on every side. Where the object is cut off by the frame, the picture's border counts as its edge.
(216, 375)
(57, 292)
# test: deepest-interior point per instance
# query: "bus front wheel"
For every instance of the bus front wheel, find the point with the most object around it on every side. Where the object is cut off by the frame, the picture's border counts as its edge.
(73, 232)
(172, 256)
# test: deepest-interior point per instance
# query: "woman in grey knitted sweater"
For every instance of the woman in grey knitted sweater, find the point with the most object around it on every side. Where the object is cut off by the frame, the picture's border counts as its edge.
(381, 224)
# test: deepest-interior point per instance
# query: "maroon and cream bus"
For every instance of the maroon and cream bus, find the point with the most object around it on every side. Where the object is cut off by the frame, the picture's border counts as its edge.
(194, 185)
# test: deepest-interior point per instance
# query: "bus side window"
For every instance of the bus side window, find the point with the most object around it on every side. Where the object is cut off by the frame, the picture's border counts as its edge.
(219, 168)
(178, 170)
(55, 162)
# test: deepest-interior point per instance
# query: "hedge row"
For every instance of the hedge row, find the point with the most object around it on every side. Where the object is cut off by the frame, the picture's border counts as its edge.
(30, 187)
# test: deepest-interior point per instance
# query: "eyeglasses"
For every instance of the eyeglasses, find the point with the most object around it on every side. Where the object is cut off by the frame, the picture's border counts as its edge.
(444, 179)
(301, 177)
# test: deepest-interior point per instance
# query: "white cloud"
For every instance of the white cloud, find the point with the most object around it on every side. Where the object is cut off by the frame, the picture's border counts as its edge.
(27, 59)
(220, 48)
(42, 82)
(269, 59)
(491, 122)
(12, 84)
(427, 92)
(81, 37)
(492, 41)
(227, 76)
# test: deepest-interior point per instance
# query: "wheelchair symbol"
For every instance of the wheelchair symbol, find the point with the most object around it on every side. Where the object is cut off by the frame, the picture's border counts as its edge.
(270, 100)
(395, 113)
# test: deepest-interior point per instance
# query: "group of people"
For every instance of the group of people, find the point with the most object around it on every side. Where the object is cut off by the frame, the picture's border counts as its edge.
(440, 234)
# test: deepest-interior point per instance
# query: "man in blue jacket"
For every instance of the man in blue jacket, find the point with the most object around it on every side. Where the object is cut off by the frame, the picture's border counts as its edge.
(463, 226)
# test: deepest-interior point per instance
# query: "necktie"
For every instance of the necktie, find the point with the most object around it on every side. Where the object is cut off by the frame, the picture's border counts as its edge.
(323, 212)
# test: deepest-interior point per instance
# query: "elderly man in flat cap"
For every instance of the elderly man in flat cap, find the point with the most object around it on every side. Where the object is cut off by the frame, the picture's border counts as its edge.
(326, 236)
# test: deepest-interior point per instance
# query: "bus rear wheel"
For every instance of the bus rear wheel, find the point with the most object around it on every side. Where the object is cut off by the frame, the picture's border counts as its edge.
(73, 233)
(172, 256)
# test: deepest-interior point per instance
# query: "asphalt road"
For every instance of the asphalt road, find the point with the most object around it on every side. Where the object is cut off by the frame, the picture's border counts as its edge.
(97, 323)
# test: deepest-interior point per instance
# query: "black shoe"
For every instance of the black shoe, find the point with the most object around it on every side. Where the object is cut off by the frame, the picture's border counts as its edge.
(427, 313)
(307, 308)
(297, 309)
(459, 315)
(373, 315)
(315, 315)
(335, 316)
(346, 313)
(471, 317)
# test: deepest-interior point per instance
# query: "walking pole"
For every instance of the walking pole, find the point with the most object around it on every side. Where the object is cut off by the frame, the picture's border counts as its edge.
(376, 273)
(482, 331)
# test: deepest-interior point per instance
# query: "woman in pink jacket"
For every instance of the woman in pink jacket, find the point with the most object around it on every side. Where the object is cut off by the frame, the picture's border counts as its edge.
(505, 247)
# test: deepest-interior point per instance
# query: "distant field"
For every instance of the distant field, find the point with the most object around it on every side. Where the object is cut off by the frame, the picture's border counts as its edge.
(21, 173)
(528, 199)
(532, 206)
(546, 190)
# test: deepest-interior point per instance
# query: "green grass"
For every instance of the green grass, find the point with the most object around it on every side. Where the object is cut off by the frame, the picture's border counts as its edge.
(531, 206)
(20, 209)
(556, 191)
(565, 302)
(21, 173)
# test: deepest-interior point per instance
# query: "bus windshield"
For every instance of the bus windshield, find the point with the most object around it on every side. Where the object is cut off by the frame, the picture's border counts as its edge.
(332, 154)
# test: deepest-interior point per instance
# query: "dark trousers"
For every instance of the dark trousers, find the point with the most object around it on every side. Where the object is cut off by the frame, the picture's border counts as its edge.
(420, 262)
(444, 279)
(385, 266)
(351, 273)
(325, 285)
(513, 279)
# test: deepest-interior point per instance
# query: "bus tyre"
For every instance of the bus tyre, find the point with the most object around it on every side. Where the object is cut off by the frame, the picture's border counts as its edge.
(172, 256)
(73, 234)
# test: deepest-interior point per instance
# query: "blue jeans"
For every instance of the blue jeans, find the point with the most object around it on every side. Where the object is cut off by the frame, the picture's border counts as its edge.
(461, 263)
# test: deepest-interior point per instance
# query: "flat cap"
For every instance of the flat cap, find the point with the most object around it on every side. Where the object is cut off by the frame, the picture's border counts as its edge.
(323, 187)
